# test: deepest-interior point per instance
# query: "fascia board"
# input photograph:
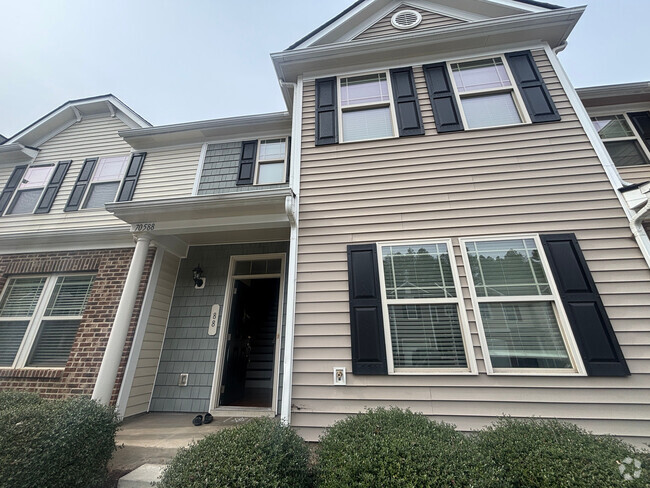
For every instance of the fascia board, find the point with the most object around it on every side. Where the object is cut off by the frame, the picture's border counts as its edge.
(205, 131)
(174, 208)
(290, 64)
(607, 91)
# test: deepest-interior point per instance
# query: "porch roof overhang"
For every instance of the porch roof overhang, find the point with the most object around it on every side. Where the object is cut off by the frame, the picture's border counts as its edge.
(552, 27)
(177, 223)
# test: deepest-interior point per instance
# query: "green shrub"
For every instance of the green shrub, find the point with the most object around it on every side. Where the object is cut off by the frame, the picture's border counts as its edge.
(56, 443)
(259, 453)
(396, 448)
(537, 453)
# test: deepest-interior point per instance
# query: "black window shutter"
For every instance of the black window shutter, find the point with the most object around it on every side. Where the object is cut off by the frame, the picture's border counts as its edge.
(326, 112)
(246, 171)
(52, 188)
(366, 317)
(531, 85)
(288, 159)
(641, 121)
(443, 100)
(407, 108)
(79, 190)
(601, 353)
(131, 177)
(9, 189)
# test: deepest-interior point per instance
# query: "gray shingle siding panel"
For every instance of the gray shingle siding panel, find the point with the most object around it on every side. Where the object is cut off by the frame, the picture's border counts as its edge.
(187, 347)
(219, 174)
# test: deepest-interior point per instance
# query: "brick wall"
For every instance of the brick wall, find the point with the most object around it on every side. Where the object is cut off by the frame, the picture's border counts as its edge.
(78, 377)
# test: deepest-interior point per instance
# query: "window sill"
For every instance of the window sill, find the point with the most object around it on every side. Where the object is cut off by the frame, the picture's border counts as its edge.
(367, 140)
(45, 373)
(536, 373)
(423, 372)
(496, 127)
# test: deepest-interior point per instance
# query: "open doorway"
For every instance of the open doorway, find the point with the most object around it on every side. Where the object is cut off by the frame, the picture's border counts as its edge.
(250, 339)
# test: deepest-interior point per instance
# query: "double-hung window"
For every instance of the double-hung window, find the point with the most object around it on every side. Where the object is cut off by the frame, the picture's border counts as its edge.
(486, 94)
(521, 321)
(271, 161)
(426, 329)
(39, 319)
(30, 189)
(105, 181)
(621, 140)
(366, 108)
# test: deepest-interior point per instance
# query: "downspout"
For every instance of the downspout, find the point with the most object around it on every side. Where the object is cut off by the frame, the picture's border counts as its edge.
(291, 208)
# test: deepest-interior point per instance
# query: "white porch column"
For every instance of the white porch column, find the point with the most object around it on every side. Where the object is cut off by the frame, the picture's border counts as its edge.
(115, 346)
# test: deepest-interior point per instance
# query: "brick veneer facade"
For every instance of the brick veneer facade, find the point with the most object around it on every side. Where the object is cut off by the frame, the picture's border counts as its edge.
(78, 377)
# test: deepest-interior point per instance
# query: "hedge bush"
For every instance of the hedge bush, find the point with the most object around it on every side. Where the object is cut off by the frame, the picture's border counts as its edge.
(397, 448)
(536, 453)
(54, 443)
(259, 453)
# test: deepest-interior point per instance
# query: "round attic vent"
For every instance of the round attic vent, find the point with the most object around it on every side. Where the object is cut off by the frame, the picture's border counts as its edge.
(406, 19)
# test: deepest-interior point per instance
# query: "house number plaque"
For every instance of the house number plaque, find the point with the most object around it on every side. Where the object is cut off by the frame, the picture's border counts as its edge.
(143, 227)
(214, 320)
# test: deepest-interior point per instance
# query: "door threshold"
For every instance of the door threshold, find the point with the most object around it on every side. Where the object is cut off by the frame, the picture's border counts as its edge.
(235, 411)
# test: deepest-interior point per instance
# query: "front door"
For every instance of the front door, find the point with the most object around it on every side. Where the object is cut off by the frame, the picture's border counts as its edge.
(249, 354)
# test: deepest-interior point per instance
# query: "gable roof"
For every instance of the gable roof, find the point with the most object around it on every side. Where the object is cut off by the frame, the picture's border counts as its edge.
(533, 3)
(73, 111)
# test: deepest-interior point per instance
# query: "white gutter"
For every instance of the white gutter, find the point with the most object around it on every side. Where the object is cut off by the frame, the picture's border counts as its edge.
(292, 209)
(635, 219)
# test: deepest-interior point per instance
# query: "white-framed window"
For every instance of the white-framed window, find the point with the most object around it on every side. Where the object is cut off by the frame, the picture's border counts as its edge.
(105, 181)
(30, 189)
(522, 324)
(426, 327)
(621, 139)
(39, 318)
(486, 94)
(271, 165)
(366, 109)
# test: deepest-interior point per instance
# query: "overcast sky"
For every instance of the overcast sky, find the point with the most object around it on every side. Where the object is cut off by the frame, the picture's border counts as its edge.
(179, 61)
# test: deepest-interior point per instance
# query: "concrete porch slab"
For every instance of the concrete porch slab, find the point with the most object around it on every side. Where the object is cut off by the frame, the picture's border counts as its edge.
(141, 477)
(154, 438)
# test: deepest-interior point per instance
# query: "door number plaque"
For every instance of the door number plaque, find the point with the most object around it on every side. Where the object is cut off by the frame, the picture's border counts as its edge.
(214, 320)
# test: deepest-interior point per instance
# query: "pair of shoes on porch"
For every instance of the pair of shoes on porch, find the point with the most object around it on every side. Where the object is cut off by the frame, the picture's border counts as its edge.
(202, 419)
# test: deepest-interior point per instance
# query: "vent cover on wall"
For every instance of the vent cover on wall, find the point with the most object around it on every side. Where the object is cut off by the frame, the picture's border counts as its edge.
(406, 19)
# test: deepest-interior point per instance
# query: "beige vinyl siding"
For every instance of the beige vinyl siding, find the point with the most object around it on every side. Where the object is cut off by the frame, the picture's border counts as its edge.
(430, 20)
(86, 139)
(145, 372)
(168, 173)
(541, 178)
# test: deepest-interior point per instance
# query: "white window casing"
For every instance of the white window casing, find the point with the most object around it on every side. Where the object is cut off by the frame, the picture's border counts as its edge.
(481, 102)
(49, 309)
(420, 306)
(375, 114)
(632, 135)
(271, 164)
(29, 191)
(547, 294)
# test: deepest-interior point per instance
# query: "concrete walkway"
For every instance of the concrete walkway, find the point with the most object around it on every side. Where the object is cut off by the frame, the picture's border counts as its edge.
(154, 438)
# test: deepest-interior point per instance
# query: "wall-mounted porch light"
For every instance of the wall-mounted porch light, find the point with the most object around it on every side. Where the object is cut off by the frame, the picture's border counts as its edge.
(199, 279)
